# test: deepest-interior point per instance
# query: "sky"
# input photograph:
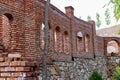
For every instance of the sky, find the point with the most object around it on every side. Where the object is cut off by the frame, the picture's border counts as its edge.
(84, 8)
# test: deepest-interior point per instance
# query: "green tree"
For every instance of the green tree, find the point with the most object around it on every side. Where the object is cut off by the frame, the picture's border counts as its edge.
(116, 7)
(107, 16)
(119, 32)
(98, 21)
(95, 76)
(80, 17)
(88, 18)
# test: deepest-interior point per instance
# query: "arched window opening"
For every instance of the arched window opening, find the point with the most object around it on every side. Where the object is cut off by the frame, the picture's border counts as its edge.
(2, 48)
(79, 42)
(9, 16)
(87, 43)
(50, 38)
(58, 39)
(112, 48)
(6, 19)
(57, 33)
(66, 42)
(42, 36)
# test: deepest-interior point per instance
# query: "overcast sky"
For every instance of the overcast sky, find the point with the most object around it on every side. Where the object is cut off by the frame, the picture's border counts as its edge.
(83, 8)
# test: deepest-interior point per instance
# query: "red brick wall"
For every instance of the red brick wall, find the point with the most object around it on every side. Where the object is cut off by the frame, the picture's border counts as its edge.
(18, 68)
(5, 31)
(16, 33)
(99, 46)
(26, 29)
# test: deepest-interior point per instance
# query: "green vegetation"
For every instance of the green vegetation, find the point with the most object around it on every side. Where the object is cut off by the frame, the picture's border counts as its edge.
(116, 8)
(95, 76)
(119, 32)
(107, 16)
(88, 18)
(98, 21)
(80, 17)
(116, 75)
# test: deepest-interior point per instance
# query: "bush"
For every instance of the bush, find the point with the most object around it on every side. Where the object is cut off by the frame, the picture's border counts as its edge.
(95, 76)
(116, 75)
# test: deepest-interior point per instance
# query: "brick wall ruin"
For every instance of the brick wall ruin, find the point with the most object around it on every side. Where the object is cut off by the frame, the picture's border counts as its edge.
(74, 52)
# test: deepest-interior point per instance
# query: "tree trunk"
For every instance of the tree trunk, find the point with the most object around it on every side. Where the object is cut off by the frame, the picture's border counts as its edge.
(46, 45)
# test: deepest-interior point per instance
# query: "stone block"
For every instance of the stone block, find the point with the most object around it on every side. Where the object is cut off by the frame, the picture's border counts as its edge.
(14, 55)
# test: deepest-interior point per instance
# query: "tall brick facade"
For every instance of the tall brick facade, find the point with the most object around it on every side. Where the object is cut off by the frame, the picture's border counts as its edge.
(22, 38)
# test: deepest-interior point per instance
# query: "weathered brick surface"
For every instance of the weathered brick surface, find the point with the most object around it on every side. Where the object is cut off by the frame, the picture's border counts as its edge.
(99, 46)
(23, 31)
(12, 70)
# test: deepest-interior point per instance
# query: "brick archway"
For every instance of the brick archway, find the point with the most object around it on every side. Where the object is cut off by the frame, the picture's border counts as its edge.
(5, 29)
(111, 42)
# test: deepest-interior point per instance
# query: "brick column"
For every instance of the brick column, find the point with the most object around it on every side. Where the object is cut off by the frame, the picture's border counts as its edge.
(84, 47)
(0, 29)
(69, 11)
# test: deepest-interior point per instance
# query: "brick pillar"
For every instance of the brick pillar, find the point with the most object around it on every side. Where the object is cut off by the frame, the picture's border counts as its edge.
(69, 11)
(0, 29)
(30, 28)
(93, 26)
(93, 35)
(84, 47)
(51, 48)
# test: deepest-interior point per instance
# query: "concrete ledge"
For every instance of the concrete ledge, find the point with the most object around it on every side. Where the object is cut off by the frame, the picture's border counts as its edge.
(61, 57)
(84, 55)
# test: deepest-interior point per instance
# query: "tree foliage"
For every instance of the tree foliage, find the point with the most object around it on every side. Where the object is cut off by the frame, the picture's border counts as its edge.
(95, 76)
(98, 21)
(80, 17)
(116, 6)
(119, 32)
(88, 18)
(107, 16)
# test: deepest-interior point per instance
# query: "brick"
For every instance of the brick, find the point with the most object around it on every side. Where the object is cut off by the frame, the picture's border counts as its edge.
(1, 59)
(4, 64)
(15, 63)
(18, 63)
(17, 74)
(9, 69)
(5, 75)
(2, 78)
(22, 68)
(14, 55)
(23, 63)
(8, 59)
(11, 78)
